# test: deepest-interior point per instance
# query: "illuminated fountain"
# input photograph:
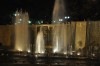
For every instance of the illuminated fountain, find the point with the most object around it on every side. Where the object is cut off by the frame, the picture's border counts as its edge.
(61, 33)
(22, 40)
(40, 44)
(59, 40)
(59, 12)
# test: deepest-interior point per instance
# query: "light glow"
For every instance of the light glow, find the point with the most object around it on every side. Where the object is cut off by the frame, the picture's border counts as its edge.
(29, 22)
(19, 49)
(68, 17)
(20, 19)
(28, 51)
(93, 54)
(60, 19)
(78, 53)
(65, 17)
(15, 14)
(65, 52)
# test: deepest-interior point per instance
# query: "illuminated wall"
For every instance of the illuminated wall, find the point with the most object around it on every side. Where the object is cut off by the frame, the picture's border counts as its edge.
(5, 34)
(94, 32)
(80, 37)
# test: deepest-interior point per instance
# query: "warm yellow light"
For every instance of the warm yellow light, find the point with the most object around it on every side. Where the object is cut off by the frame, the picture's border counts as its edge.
(65, 53)
(78, 53)
(28, 51)
(19, 49)
(43, 52)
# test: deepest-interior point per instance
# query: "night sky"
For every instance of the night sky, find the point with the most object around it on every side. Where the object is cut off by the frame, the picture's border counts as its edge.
(42, 9)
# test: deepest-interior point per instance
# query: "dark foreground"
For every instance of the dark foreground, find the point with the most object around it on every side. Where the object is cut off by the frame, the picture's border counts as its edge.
(27, 61)
(9, 59)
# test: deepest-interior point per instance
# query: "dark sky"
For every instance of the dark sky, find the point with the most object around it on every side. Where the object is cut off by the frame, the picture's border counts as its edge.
(42, 9)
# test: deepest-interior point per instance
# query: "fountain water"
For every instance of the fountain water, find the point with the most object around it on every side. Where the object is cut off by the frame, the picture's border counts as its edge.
(22, 41)
(59, 11)
(59, 41)
(40, 44)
